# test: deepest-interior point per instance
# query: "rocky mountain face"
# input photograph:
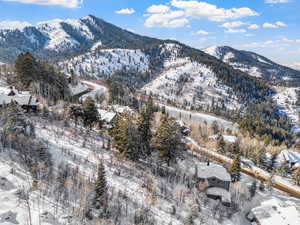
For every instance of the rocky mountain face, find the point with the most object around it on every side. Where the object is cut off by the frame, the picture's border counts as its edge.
(254, 64)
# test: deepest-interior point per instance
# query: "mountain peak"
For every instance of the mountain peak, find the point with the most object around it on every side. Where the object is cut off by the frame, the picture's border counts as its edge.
(68, 37)
(14, 25)
(254, 64)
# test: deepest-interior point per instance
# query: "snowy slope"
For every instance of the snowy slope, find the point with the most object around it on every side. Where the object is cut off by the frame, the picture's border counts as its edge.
(277, 212)
(173, 71)
(190, 118)
(96, 90)
(253, 64)
(286, 99)
(104, 63)
(13, 208)
(70, 37)
(187, 82)
(58, 38)
(124, 177)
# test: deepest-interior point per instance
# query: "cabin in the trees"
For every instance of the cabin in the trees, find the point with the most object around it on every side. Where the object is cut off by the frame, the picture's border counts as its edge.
(107, 117)
(78, 90)
(23, 99)
(215, 181)
(290, 158)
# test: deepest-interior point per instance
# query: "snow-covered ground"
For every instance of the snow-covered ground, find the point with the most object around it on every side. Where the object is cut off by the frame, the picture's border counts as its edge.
(97, 90)
(275, 211)
(13, 208)
(191, 117)
(286, 99)
(131, 179)
(83, 150)
(4, 88)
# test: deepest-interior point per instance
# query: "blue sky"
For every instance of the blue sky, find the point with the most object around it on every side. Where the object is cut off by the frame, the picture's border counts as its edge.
(268, 27)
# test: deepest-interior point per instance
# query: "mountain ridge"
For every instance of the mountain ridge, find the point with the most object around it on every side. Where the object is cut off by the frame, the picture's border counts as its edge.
(254, 64)
(58, 39)
(96, 49)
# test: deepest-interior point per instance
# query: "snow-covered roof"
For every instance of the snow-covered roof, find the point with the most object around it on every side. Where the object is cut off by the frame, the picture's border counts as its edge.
(122, 109)
(79, 88)
(216, 191)
(106, 115)
(289, 156)
(276, 212)
(213, 170)
(21, 99)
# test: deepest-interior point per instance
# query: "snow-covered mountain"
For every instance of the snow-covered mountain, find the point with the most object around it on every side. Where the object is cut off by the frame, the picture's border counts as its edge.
(188, 82)
(253, 64)
(106, 62)
(60, 39)
(94, 48)
(172, 72)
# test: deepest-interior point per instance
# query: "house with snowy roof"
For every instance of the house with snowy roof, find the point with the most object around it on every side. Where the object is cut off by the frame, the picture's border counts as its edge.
(290, 157)
(215, 181)
(23, 99)
(107, 117)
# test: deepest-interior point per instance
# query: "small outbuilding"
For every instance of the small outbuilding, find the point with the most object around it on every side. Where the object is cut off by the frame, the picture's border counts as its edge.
(107, 117)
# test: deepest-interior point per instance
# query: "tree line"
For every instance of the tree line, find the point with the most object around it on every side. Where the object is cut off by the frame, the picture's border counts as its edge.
(135, 137)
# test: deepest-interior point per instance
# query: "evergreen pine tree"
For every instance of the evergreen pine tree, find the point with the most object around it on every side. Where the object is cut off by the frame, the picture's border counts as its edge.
(74, 112)
(215, 127)
(144, 126)
(221, 145)
(26, 70)
(271, 164)
(74, 78)
(253, 188)
(235, 168)
(101, 188)
(234, 148)
(126, 137)
(296, 176)
(163, 109)
(41, 78)
(90, 113)
(168, 139)
(261, 158)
